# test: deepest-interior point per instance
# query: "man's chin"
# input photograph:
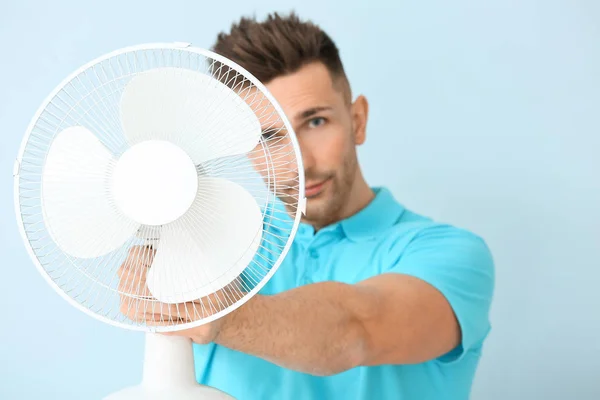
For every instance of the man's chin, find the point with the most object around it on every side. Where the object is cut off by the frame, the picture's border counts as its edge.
(318, 201)
(320, 212)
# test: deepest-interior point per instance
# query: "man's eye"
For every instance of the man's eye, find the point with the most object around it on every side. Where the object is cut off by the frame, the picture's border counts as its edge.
(315, 122)
(269, 134)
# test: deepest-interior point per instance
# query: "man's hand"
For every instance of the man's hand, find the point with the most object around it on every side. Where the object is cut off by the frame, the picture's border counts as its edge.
(138, 305)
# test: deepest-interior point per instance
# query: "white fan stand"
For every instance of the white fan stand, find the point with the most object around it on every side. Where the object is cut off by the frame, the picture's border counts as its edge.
(169, 373)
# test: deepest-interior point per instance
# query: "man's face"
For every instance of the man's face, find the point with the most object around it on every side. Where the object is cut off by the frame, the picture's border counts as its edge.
(327, 128)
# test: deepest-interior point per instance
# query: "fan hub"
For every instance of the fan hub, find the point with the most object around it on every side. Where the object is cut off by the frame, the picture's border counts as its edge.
(154, 182)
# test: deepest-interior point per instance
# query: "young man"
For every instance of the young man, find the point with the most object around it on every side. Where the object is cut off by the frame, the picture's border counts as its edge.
(376, 302)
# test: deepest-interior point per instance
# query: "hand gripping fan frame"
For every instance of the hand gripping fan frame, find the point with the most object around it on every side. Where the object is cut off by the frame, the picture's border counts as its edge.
(62, 158)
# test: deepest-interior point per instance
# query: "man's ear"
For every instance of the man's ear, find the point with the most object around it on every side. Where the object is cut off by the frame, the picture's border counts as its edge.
(360, 114)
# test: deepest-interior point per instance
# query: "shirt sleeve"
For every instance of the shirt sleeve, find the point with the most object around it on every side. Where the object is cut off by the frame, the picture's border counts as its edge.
(458, 264)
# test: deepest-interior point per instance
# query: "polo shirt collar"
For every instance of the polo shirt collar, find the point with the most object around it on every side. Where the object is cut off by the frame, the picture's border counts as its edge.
(380, 214)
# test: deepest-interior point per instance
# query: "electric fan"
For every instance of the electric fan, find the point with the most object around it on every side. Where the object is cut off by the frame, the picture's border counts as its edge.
(170, 147)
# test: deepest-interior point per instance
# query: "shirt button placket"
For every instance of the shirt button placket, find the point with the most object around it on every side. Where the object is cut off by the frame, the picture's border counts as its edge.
(310, 256)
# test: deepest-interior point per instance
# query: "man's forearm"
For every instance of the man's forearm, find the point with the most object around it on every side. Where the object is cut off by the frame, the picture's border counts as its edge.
(315, 328)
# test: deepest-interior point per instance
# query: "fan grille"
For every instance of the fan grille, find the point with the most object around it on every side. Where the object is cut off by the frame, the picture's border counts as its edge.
(271, 173)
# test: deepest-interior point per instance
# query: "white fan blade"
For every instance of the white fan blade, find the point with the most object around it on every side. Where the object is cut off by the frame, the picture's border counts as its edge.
(209, 246)
(75, 196)
(193, 110)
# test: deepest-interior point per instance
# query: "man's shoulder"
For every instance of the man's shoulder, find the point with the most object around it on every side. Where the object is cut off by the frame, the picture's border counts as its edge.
(416, 233)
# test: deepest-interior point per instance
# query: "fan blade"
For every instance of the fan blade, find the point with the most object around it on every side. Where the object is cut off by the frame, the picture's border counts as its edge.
(208, 247)
(75, 196)
(192, 110)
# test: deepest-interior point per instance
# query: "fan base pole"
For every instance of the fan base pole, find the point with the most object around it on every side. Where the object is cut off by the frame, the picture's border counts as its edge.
(169, 373)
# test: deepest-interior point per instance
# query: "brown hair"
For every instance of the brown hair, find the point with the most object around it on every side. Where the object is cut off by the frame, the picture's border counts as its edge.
(278, 46)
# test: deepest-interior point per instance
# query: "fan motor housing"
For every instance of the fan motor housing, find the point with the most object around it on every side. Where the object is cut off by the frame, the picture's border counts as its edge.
(154, 182)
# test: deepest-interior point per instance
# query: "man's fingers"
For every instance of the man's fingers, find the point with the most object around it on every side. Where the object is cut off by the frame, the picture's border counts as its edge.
(133, 291)
(154, 311)
(130, 266)
(132, 273)
(134, 283)
(143, 255)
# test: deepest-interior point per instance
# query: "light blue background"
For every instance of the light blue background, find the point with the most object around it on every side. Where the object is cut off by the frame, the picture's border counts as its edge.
(483, 113)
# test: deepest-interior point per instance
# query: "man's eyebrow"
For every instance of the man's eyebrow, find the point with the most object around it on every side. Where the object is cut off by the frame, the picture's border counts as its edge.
(310, 112)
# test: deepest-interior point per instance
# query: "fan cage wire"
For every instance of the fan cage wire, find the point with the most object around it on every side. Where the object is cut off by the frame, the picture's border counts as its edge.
(105, 300)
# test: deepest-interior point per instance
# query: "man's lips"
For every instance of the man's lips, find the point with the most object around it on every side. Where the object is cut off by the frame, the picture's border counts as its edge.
(312, 189)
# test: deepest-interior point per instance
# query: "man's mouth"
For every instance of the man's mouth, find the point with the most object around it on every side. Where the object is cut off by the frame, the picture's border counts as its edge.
(312, 189)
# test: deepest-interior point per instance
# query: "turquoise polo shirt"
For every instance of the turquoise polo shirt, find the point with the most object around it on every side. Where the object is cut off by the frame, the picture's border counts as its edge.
(382, 238)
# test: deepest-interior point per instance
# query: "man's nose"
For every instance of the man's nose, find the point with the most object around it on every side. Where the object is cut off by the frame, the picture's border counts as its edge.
(308, 160)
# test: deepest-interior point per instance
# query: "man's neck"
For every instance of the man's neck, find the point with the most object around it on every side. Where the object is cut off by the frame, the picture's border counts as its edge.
(360, 197)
